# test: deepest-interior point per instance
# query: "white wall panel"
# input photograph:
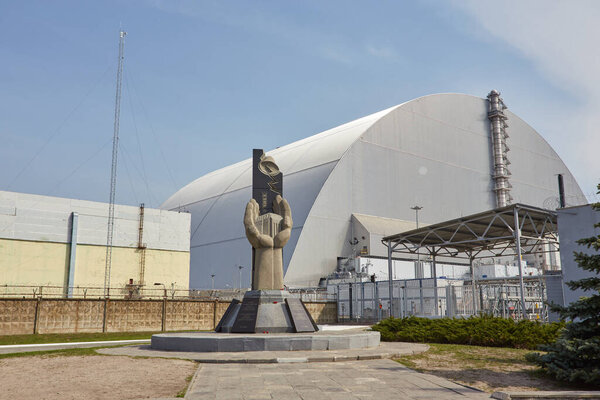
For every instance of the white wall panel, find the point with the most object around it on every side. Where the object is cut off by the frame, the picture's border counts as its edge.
(44, 218)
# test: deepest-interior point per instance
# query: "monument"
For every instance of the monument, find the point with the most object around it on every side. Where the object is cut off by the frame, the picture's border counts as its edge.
(267, 307)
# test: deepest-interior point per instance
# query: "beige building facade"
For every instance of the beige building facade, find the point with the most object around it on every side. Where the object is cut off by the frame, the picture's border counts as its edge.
(60, 245)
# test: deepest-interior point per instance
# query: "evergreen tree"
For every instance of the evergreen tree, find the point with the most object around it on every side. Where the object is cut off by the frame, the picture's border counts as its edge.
(575, 356)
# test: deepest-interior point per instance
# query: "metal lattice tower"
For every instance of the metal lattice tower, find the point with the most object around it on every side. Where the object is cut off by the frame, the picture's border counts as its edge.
(113, 170)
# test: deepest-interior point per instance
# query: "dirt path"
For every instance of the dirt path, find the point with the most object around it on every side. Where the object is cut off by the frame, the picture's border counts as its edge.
(91, 377)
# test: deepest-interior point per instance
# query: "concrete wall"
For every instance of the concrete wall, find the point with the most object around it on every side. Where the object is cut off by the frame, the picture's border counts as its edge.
(36, 235)
(25, 316)
(575, 223)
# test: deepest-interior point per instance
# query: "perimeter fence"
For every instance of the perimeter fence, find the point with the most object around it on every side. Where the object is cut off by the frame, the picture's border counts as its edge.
(369, 302)
(142, 292)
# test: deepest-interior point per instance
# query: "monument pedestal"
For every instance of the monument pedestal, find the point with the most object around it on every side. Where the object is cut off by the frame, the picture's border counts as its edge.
(267, 311)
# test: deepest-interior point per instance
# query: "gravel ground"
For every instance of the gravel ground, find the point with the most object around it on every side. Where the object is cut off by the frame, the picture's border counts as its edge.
(91, 377)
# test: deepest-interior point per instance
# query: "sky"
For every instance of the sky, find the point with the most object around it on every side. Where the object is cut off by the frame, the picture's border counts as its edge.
(206, 81)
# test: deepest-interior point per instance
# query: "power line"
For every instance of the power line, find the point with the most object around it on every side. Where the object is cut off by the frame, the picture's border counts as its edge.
(57, 131)
(137, 137)
(130, 180)
(154, 135)
(67, 177)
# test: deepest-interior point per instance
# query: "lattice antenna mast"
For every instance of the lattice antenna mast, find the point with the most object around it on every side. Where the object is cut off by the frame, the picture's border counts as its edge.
(113, 170)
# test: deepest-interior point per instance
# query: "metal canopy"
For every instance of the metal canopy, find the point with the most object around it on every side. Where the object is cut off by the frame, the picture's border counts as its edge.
(516, 229)
(487, 234)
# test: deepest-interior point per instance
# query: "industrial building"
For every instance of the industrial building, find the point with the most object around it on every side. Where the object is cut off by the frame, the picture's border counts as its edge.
(59, 244)
(574, 223)
(350, 186)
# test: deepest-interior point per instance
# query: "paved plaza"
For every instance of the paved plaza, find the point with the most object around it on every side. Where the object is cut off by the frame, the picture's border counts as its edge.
(369, 379)
(333, 374)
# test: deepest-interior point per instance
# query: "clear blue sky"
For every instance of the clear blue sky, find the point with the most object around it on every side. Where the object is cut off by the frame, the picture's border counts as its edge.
(206, 81)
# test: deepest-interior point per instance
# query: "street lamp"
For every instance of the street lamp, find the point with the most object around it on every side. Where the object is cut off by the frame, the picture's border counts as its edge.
(417, 209)
(240, 268)
(212, 283)
(164, 288)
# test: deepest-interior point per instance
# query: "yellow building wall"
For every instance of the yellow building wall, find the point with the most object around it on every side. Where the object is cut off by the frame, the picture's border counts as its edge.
(162, 266)
(46, 264)
(33, 263)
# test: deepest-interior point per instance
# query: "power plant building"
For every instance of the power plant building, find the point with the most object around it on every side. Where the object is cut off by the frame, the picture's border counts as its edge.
(60, 244)
(451, 154)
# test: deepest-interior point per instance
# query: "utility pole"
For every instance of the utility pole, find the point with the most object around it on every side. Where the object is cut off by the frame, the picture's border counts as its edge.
(212, 284)
(113, 171)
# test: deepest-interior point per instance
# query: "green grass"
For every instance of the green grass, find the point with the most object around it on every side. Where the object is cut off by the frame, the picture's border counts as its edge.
(469, 357)
(91, 351)
(183, 391)
(486, 368)
(72, 337)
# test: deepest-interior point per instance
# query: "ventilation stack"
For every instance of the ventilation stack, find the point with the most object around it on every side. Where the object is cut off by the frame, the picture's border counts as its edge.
(500, 149)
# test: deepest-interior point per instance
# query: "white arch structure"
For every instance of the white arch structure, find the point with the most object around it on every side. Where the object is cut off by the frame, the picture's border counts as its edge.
(434, 151)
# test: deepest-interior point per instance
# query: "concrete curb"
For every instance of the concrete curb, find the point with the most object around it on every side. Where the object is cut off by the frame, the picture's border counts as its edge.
(24, 348)
(207, 342)
(546, 395)
(383, 351)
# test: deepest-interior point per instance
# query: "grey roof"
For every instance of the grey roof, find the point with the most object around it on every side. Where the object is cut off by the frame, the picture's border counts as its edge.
(481, 235)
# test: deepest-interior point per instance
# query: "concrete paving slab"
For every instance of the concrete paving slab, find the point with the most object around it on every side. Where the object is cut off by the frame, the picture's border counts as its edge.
(372, 379)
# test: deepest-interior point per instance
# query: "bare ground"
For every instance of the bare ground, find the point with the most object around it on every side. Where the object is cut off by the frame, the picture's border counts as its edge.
(486, 368)
(92, 377)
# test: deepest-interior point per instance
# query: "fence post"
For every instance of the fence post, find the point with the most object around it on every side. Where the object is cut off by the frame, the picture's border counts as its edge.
(421, 300)
(449, 302)
(104, 314)
(350, 301)
(36, 315)
(215, 303)
(163, 321)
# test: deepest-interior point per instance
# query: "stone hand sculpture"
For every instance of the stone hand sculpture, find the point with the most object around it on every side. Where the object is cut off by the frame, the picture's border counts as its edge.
(267, 234)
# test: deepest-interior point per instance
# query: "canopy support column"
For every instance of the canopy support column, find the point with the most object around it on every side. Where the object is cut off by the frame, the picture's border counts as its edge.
(435, 286)
(390, 278)
(517, 234)
(474, 289)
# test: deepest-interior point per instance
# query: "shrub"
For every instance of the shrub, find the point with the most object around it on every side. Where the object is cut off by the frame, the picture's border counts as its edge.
(479, 331)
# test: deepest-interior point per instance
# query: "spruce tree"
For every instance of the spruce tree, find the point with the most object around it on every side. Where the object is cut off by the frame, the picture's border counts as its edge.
(575, 356)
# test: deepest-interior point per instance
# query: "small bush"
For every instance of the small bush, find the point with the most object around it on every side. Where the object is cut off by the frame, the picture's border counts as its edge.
(479, 331)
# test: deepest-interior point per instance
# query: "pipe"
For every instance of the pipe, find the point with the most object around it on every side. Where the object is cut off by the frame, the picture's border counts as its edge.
(496, 117)
(561, 191)
(72, 255)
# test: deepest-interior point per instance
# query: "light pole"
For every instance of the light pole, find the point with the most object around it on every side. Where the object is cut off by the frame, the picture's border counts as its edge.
(240, 268)
(417, 209)
(212, 281)
(164, 288)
